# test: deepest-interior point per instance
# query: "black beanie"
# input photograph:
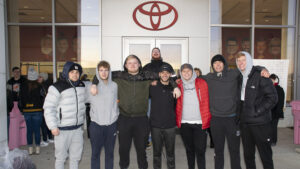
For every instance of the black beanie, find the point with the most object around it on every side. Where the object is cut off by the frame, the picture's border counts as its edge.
(217, 57)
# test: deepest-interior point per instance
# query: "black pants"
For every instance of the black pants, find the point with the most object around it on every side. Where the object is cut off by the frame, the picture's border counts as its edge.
(136, 129)
(46, 133)
(259, 136)
(274, 130)
(221, 128)
(162, 137)
(194, 139)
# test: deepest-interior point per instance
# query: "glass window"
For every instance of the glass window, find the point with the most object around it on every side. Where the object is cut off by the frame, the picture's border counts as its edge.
(275, 12)
(78, 44)
(231, 11)
(25, 11)
(26, 50)
(77, 11)
(233, 41)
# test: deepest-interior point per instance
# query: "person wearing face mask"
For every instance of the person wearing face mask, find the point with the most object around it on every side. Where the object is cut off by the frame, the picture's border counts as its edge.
(64, 111)
(193, 115)
(258, 96)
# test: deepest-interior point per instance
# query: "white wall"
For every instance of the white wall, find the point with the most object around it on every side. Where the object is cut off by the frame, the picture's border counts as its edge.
(193, 22)
(3, 115)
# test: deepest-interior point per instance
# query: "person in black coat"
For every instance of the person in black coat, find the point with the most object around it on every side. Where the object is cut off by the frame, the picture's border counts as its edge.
(258, 97)
(277, 111)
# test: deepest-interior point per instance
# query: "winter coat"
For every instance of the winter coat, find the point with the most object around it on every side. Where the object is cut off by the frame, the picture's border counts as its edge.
(260, 98)
(31, 98)
(155, 65)
(277, 111)
(104, 106)
(64, 106)
(203, 98)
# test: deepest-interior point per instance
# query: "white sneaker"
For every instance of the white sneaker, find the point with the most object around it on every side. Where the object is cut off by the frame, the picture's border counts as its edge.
(44, 144)
(50, 140)
(37, 150)
(30, 150)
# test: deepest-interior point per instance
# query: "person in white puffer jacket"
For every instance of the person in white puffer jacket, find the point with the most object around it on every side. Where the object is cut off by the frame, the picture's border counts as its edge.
(64, 111)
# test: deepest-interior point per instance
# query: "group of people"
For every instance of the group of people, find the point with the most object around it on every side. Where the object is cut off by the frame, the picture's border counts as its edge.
(233, 103)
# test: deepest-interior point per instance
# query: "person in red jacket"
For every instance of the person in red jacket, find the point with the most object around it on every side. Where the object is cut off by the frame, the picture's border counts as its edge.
(193, 115)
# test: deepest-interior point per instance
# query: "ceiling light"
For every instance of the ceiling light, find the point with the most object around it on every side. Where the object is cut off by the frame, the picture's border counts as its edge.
(267, 20)
(25, 7)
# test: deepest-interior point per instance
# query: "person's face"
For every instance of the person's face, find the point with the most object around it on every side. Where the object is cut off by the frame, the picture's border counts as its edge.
(261, 47)
(103, 73)
(62, 45)
(164, 76)
(155, 54)
(232, 47)
(132, 65)
(74, 75)
(197, 73)
(241, 63)
(16, 73)
(187, 73)
(246, 46)
(275, 47)
(218, 66)
(40, 79)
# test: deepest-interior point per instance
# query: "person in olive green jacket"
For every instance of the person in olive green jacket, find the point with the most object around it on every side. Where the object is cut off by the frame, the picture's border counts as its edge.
(133, 95)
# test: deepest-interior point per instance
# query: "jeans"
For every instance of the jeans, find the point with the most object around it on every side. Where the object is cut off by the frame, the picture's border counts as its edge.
(33, 123)
(102, 136)
(161, 137)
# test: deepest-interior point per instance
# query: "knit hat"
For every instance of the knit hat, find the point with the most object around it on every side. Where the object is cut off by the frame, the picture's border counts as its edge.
(32, 74)
(186, 65)
(44, 76)
(218, 58)
(74, 67)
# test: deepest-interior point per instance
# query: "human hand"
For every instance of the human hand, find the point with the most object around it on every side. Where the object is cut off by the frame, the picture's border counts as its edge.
(55, 132)
(94, 90)
(154, 83)
(176, 93)
(265, 73)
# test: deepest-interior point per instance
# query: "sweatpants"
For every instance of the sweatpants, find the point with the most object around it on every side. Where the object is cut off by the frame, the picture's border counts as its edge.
(161, 137)
(102, 136)
(134, 129)
(259, 136)
(69, 143)
(221, 128)
(194, 139)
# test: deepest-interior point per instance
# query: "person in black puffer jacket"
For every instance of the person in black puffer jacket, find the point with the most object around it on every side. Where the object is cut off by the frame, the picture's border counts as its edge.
(32, 104)
(258, 97)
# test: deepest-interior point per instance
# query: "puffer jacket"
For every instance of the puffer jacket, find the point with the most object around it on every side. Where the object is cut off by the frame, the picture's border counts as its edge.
(64, 106)
(260, 98)
(203, 98)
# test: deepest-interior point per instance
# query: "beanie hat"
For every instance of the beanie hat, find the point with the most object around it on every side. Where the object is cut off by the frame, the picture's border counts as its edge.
(74, 67)
(32, 74)
(44, 76)
(186, 65)
(218, 58)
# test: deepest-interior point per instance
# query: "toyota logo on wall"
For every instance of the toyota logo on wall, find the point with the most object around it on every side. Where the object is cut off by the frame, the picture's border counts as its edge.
(155, 15)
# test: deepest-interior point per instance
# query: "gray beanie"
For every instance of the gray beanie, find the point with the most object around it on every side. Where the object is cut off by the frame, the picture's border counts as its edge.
(44, 76)
(186, 65)
(32, 74)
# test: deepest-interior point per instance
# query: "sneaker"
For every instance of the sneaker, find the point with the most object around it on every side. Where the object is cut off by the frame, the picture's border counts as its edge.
(44, 144)
(37, 150)
(30, 150)
(50, 140)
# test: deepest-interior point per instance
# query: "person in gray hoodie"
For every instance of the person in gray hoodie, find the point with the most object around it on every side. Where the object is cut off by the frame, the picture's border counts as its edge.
(104, 114)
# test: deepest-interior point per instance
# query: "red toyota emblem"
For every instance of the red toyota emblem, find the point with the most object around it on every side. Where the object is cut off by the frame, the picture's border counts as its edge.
(155, 11)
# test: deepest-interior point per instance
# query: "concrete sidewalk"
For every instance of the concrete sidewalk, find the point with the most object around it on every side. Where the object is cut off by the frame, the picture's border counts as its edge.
(284, 155)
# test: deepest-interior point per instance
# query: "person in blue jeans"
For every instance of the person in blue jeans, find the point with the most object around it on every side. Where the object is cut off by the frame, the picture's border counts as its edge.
(104, 114)
(32, 106)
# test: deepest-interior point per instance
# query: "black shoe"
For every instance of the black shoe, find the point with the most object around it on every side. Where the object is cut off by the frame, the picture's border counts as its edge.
(212, 145)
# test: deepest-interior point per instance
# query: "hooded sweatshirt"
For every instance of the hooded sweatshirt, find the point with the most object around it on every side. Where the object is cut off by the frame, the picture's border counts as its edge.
(104, 105)
(191, 107)
(223, 91)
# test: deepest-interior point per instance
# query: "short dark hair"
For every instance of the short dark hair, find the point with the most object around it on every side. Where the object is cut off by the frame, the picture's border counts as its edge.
(104, 64)
(156, 48)
(15, 68)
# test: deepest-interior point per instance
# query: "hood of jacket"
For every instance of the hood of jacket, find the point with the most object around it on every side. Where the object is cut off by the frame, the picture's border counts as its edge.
(191, 81)
(66, 69)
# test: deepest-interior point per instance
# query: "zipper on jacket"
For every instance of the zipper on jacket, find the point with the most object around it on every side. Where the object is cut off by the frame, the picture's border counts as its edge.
(60, 115)
(76, 102)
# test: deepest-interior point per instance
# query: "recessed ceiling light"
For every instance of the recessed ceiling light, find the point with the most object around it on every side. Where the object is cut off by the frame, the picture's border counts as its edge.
(26, 7)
